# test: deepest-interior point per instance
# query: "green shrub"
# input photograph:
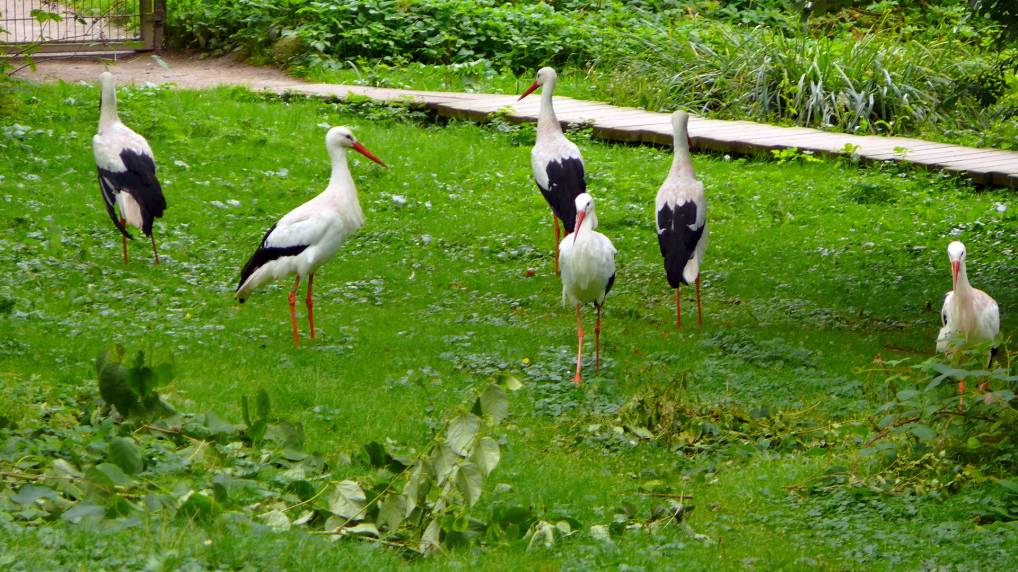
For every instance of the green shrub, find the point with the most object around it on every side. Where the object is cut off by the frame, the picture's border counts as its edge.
(519, 36)
(868, 85)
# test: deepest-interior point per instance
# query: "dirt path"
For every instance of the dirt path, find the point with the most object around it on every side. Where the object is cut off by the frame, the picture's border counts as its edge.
(184, 70)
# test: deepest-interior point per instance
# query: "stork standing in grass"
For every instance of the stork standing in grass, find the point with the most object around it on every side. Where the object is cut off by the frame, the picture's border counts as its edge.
(555, 160)
(309, 235)
(588, 272)
(682, 219)
(969, 316)
(127, 170)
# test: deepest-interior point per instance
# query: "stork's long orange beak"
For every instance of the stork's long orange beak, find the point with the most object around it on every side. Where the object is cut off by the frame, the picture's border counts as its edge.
(576, 227)
(364, 151)
(530, 90)
(955, 266)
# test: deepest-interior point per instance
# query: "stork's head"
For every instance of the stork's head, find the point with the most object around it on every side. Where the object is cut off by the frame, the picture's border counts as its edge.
(106, 79)
(584, 209)
(341, 138)
(545, 77)
(956, 252)
(680, 126)
(107, 89)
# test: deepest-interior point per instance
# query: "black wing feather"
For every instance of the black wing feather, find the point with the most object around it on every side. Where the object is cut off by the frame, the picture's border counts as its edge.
(266, 254)
(110, 199)
(140, 181)
(565, 182)
(677, 240)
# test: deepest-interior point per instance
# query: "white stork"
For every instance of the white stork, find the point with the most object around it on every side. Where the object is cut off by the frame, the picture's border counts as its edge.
(555, 160)
(682, 219)
(127, 170)
(969, 316)
(588, 271)
(310, 234)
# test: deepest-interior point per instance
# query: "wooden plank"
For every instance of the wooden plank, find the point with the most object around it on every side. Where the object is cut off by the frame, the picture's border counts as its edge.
(603, 110)
(638, 125)
(975, 161)
(956, 152)
(623, 116)
(990, 163)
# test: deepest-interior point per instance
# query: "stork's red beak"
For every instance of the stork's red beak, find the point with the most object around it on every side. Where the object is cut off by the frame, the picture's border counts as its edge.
(530, 90)
(955, 266)
(576, 227)
(364, 151)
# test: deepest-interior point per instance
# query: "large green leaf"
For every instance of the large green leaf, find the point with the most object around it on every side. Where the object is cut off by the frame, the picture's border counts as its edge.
(125, 454)
(462, 431)
(416, 488)
(494, 403)
(198, 506)
(31, 493)
(391, 512)
(276, 520)
(470, 482)
(82, 511)
(923, 432)
(262, 404)
(430, 538)
(363, 529)
(216, 425)
(443, 459)
(486, 455)
(65, 469)
(162, 374)
(109, 474)
(347, 500)
(140, 377)
(114, 389)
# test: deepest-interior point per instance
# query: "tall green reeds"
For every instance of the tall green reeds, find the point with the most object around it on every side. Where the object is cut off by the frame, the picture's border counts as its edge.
(871, 84)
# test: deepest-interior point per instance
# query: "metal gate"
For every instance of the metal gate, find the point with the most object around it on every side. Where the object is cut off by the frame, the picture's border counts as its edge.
(80, 25)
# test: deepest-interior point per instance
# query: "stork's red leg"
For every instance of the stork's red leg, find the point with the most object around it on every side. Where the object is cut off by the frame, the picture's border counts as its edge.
(154, 251)
(597, 342)
(123, 237)
(554, 219)
(961, 392)
(293, 311)
(579, 345)
(678, 307)
(311, 305)
(699, 309)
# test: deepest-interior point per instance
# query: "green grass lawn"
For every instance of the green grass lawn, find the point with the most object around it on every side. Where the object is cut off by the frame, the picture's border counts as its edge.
(813, 270)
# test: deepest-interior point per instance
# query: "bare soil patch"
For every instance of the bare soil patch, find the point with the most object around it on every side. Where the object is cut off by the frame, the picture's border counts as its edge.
(183, 70)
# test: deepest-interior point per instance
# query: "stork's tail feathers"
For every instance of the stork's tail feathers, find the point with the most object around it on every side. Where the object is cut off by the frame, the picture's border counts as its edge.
(123, 230)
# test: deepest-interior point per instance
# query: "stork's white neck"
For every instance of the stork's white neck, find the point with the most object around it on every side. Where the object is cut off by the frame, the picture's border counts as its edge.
(547, 123)
(682, 163)
(962, 289)
(108, 107)
(340, 181)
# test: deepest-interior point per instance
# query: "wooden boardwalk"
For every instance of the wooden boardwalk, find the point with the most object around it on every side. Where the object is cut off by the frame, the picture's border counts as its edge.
(984, 166)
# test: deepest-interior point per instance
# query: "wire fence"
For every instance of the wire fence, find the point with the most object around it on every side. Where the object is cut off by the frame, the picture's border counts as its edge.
(93, 22)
